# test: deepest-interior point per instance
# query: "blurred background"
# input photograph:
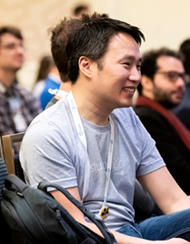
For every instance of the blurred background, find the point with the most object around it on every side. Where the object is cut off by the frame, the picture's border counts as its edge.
(164, 23)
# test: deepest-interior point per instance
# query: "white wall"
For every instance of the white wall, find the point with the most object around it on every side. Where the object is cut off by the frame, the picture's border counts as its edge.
(164, 23)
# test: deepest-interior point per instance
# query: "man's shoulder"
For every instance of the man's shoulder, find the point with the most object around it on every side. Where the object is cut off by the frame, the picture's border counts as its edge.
(24, 92)
(51, 102)
(147, 112)
(124, 113)
(51, 126)
(126, 116)
(144, 109)
(56, 115)
(153, 120)
(129, 124)
(29, 101)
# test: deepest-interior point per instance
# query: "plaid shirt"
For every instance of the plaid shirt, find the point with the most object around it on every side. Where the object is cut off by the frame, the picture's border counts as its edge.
(29, 108)
(3, 175)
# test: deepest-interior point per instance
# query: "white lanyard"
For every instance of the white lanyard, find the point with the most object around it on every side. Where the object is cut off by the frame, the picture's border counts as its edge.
(82, 137)
(109, 161)
(57, 92)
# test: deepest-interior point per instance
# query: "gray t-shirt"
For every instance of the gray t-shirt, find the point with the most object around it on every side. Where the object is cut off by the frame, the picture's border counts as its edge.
(51, 150)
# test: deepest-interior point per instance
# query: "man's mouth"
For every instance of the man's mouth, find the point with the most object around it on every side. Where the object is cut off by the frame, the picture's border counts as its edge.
(179, 94)
(129, 89)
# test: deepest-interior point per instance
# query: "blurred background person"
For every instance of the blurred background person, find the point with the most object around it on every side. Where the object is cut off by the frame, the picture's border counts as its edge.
(79, 10)
(45, 89)
(162, 87)
(43, 71)
(58, 40)
(18, 107)
(183, 110)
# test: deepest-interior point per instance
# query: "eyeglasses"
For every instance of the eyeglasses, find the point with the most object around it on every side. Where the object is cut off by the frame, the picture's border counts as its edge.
(173, 76)
(12, 46)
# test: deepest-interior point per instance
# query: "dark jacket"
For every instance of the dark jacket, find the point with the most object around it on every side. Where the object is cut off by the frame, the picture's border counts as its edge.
(171, 147)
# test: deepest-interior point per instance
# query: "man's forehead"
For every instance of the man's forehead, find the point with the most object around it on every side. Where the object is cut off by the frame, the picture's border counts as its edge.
(121, 36)
(9, 38)
(127, 43)
(168, 61)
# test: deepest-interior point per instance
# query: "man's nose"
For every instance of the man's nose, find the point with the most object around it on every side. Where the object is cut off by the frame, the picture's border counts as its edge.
(135, 74)
(180, 82)
(20, 49)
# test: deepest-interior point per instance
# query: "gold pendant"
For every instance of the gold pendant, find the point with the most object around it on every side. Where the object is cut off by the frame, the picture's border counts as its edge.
(104, 212)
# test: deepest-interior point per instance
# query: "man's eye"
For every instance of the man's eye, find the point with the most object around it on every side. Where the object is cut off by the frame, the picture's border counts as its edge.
(11, 46)
(172, 76)
(127, 64)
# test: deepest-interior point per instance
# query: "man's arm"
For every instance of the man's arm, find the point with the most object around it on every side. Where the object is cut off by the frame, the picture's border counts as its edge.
(165, 191)
(121, 238)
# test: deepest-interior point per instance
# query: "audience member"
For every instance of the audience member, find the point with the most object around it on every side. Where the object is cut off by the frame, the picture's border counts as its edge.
(59, 37)
(183, 110)
(52, 82)
(18, 107)
(162, 88)
(44, 90)
(44, 69)
(79, 10)
(79, 135)
(143, 203)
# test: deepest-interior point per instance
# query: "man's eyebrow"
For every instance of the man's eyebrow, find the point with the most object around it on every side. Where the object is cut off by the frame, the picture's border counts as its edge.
(132, 58)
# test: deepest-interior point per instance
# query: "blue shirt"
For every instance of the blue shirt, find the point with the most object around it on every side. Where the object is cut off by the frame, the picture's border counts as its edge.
(51, 82)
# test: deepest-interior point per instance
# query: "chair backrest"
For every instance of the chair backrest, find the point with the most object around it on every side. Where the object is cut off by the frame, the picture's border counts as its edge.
(10, 158)
(1, 150)
(8, 150)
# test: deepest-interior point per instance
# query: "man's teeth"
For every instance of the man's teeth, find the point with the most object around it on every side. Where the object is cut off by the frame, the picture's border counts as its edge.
(129, 89)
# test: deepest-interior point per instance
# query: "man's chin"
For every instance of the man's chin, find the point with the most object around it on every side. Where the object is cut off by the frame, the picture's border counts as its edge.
(16, 68)
(125, 103)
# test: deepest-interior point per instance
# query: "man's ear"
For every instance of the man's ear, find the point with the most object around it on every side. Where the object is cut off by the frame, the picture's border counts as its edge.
(147, 83)
(85, 66)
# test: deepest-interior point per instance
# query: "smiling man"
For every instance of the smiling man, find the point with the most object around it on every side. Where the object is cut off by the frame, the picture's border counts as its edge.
(18, 107)
(67, 141)
(162, 88)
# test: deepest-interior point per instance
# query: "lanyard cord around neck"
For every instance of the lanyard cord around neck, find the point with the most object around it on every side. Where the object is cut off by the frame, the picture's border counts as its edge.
(109, 161)
(82, 137)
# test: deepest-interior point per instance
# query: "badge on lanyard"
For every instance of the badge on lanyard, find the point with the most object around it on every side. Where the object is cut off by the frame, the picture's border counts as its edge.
(104, 212)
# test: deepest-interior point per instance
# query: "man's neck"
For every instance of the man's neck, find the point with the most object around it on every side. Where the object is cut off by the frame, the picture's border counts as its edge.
(7, 78)
(89, 110)
(148, 94)
(65, 86)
